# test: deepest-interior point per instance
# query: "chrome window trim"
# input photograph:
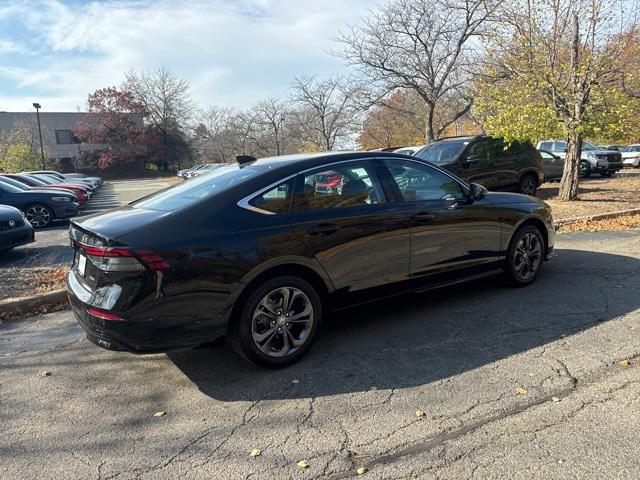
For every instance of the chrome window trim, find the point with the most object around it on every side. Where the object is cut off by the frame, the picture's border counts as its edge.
(244, 203)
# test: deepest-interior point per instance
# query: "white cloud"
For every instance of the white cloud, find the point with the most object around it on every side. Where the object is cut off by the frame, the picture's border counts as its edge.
(233, 52)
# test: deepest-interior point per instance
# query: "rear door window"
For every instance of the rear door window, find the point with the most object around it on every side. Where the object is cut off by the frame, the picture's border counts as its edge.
(339, 186)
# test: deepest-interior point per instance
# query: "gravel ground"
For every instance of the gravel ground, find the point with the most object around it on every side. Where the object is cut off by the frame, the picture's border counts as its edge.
(482, 361)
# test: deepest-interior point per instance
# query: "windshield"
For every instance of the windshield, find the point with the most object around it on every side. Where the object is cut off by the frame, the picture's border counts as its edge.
(15, 183)
(443, 152)
(586, 146)
(37, 181)
(42, 179)
(200, 188)
(5, 187)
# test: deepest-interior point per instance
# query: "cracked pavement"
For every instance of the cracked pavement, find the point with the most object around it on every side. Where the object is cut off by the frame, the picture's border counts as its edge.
(457, 354)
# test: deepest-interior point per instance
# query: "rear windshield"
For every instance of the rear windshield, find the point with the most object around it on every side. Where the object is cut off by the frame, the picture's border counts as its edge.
(199, 188)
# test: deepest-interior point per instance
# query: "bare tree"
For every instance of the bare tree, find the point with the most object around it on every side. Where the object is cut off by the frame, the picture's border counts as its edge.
(214, 137)
(327, 112)
(270, 122)
(564, 50)
(423, 45)
(168, 103)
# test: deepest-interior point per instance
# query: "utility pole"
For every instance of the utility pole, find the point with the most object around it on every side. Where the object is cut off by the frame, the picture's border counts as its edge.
(38, 107)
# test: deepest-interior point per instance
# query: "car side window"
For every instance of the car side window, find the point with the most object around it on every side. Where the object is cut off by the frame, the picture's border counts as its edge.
(546, 146)
(420, 182)
(275, 200)
(339, 186)
(482, 150)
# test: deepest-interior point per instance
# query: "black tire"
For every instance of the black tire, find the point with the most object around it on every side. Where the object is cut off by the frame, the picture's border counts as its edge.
(244, 329)
(517, 265)
(528, 184)
(39, 215)
(584, 170)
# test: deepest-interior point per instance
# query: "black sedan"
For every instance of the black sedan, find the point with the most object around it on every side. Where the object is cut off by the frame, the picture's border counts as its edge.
(260, 250)
(39, 207)
(15, 230)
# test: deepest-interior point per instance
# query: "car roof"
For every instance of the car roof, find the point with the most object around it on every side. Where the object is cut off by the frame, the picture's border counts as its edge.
(303, 161)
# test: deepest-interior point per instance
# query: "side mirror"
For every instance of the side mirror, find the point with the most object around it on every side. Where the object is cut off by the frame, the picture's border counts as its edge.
(476, 192)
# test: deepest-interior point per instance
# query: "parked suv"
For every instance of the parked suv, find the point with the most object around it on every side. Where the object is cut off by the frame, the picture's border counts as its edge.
(593, 159)
(489, 161)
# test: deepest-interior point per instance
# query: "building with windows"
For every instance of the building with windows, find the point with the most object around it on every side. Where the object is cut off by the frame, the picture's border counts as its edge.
(57, 131)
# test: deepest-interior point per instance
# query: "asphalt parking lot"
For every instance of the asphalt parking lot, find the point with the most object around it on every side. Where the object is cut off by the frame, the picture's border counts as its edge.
(52, 243)
(513, 383)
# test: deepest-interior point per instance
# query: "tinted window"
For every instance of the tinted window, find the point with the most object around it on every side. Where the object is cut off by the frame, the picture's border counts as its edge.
(198, 189)
(443, 152)
(417, 182)
(15, 183)
(345, 185)
(546, 146)
(6, 188)
(560, 146)
(483, 149)
(276, 200)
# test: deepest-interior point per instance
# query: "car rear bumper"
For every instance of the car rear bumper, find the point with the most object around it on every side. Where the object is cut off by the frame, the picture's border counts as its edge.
(140, 331)
(16, 237)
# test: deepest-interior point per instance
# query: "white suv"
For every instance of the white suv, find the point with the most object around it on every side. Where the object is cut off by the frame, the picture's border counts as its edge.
(631, 155)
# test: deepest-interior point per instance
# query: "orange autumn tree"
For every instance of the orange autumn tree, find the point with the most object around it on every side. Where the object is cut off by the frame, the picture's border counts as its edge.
(396, 122)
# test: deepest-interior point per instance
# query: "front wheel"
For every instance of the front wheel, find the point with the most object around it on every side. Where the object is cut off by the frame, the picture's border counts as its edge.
(584, 170)
(278, 322)
(38, 215)
(525, 256)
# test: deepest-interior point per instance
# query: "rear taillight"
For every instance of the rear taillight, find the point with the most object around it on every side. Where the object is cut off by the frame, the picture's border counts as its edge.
(111, 259)
(103, 315)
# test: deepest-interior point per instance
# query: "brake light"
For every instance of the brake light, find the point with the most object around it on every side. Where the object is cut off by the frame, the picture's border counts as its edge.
(103, 315)
(122, 259)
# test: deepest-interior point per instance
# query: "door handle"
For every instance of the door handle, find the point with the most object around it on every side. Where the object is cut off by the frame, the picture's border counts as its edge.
(422, 216)
(323, 229)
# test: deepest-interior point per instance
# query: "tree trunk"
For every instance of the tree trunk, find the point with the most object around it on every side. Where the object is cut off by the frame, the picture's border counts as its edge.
(570, 179)
(569, 183)
(428, 130)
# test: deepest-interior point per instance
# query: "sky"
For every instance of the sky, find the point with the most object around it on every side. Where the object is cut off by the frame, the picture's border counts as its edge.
(233, 52)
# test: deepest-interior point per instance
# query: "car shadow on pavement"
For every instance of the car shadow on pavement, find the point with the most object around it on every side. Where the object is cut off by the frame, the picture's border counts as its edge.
(422, 338)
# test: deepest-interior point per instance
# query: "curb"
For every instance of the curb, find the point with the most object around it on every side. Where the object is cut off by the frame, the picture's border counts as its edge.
(32, 302)
(598, 216)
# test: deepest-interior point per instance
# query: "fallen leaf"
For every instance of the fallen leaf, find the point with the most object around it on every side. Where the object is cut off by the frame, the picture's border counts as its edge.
(295, 380)
(159, 414)
(555, 399)
(373, 387)
(521, 391)
(531, 374)
(624, 363)
(255, 452)
(361, 470)
(420, 413)
(46, 373)
(303, 464)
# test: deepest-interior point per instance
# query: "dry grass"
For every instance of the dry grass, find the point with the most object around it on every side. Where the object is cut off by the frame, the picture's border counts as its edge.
(596, 196)
(627, 222)
(22, 282)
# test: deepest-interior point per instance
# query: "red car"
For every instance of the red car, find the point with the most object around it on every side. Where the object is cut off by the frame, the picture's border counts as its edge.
(81, 193)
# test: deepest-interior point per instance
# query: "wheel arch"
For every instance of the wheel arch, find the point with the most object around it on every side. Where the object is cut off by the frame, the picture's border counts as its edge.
(307, 269)
(536, 222)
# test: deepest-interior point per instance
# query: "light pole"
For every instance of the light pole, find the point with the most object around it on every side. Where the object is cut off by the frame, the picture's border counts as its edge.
(38, 107)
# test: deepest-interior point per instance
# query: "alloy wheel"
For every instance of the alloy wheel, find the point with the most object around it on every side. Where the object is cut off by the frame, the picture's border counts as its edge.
(528, 186)
(582, 170)
(38, 216)
(528, 256)
(282, 322)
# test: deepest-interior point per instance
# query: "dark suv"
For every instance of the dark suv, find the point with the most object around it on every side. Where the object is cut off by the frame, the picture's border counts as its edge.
(491, 162)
